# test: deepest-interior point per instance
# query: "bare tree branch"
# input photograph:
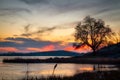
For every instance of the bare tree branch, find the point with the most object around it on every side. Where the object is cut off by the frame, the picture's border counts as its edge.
(92, 32)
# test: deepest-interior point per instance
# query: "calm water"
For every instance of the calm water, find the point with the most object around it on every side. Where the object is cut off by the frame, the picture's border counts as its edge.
(18, 71)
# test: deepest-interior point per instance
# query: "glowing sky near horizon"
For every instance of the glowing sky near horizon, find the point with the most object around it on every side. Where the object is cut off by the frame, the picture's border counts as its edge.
(43, 25)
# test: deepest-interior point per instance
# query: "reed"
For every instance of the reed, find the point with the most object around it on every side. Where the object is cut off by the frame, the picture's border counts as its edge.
(100, 75)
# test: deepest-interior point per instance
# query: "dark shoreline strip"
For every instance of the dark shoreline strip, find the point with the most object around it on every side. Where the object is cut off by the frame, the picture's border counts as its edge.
(66, 60)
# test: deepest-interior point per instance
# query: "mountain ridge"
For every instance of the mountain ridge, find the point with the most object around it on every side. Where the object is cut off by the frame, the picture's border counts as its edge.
(46, 53)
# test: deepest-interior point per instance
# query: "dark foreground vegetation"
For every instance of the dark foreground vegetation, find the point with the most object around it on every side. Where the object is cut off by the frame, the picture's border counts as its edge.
(99, 75)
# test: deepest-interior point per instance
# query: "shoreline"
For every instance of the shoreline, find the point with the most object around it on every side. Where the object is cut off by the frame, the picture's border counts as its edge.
(66, 60)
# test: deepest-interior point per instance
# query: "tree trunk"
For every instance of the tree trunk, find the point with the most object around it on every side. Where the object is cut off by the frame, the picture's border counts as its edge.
(94, 52)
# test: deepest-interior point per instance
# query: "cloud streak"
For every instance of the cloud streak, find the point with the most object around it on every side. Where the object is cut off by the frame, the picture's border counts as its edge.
(12, 11)
(40, 31)
(26, 42)
(34, 1)
(45, 48)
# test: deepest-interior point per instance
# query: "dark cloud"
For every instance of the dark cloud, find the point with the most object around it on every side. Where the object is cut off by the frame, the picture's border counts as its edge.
(40, 31)
(27, 42)
(64, 6)
(15, 9)
(94, 6)
(110, 2)
(26, 28)
(26, 34)
(44, 29)
(12, 11)
(8, 44)
(106, 10)
(106, 6)
(34, 1)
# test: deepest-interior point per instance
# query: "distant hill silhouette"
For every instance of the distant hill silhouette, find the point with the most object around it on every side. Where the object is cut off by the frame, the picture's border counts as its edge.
(112, 51)
(47, 53)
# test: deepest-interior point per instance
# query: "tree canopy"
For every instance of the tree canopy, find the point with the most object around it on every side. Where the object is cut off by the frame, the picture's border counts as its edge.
(91, 32)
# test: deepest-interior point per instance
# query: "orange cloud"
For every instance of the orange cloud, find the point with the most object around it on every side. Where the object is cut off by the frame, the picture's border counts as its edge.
(33, 49)
(48, 48)
(83, 48)
(8, 49)
(45, 48)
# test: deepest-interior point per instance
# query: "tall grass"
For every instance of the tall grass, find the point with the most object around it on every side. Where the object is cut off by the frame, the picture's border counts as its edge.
(100, 75)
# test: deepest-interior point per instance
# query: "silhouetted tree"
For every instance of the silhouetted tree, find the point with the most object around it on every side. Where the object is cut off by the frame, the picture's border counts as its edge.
(91, 32)
(114, 38)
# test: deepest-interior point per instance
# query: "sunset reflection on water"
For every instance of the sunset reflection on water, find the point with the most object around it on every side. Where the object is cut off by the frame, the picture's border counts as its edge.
(17, 71)
(63, 70)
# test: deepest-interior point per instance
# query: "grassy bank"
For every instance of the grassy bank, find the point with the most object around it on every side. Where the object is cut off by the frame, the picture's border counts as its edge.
(100, 75)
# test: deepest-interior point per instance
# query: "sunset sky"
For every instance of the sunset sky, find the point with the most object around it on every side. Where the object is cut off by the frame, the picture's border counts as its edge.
(44, 25)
